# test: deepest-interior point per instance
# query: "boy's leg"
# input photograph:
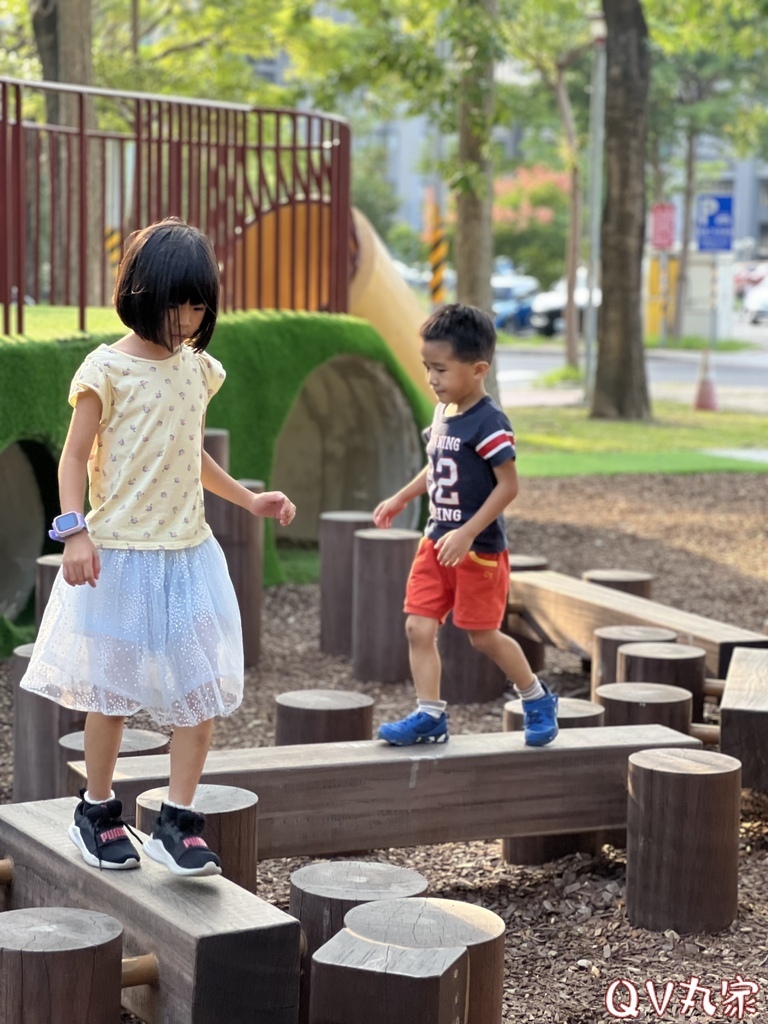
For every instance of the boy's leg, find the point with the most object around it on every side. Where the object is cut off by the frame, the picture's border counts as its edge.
(428, 598)
(98, 830)
(428, 723)
(176, 839)
(506, 653)
(539, 704)
(423, 656)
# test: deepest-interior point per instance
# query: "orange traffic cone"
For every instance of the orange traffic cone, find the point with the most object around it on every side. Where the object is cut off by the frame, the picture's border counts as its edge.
(705, 386)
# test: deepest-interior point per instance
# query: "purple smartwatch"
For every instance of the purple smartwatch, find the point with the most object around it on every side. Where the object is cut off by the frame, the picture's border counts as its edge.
(67, 524)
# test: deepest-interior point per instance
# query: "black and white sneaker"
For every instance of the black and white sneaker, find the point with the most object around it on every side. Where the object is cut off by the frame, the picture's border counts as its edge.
(99, 833)
(176, 841)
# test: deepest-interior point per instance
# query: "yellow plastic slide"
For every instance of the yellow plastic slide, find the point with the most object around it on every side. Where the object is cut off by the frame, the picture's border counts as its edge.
(378, 294)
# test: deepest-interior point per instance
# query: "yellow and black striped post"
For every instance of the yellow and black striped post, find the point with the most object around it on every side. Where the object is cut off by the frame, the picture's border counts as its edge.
(113, 243)
(438, 254)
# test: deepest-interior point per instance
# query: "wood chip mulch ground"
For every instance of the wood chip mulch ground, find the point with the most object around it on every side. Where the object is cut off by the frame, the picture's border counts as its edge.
(568, 939)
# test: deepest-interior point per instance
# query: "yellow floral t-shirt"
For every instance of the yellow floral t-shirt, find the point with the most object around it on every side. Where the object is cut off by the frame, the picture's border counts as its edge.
(144, 470)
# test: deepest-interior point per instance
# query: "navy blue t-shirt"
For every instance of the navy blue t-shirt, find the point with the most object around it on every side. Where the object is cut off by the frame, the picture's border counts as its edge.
(462, 451)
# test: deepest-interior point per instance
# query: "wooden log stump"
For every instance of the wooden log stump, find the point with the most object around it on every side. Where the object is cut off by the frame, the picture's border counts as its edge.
(571, 714)
(37, 725)
(241, 536)
(427, 923)
(714, 688)
(683, 840)
(322, 893)
(606, 644)
(337, 541)
(527, 563)
(646, 704)
(134, 743)
(627, 580)
(46, 570)
(672, 664)
(60, 966)
(467, 677)
(515, 625)
(230, 826)
(354, 980)
(216, 443)
(381, 563)
(322, 716)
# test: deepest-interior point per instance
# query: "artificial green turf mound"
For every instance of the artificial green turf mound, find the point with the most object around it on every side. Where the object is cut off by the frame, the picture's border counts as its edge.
(272, 359)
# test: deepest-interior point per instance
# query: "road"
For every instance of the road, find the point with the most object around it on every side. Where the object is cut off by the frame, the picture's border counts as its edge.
(740, 378)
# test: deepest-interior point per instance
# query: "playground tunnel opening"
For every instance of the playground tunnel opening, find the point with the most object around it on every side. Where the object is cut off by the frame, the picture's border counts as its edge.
(349, 441)
(29, 489)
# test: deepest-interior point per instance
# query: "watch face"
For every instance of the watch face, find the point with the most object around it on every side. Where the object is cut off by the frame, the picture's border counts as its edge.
(69, 521)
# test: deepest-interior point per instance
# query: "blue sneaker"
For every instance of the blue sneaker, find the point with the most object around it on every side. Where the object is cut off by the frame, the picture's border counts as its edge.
(540, 719)
(418, 727)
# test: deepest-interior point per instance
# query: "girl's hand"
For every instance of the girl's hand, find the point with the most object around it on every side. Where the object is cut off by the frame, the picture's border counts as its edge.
(274, 505)
(453, 547)
(386, 511)
(81, 563)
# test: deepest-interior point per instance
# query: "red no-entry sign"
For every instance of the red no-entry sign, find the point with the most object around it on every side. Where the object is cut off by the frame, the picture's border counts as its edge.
(662, 225)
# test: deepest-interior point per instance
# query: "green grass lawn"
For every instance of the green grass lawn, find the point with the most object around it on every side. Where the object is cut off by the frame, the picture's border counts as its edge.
(564, 441)
(46, 323)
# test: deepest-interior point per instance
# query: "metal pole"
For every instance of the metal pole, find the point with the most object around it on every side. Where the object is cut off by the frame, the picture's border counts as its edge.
(664, 287)
(713, 297)
(597, 122)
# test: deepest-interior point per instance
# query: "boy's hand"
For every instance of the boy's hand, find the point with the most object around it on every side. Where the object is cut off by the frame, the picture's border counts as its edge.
(81, 563)
(386, 511)
(453, 547)
(274, 505)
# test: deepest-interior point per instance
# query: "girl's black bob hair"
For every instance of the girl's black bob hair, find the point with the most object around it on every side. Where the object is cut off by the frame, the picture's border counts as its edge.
(166, 265)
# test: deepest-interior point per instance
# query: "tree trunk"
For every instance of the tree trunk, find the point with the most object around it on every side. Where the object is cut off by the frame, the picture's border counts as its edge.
(685, 242)
(621, 391)
(63, 37)
(474, 198)
(574, 228)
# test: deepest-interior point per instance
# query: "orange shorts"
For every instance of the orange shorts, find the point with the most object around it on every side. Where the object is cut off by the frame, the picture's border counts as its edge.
(476, 589)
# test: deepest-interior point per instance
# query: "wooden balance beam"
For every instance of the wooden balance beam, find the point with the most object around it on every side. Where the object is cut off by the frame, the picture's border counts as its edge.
(329, 798)
(744, 716)
(223, 953)
(566, 611)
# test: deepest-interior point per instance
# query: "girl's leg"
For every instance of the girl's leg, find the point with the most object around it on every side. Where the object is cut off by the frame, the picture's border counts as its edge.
(422, 652)
(189, 748)
(103, 734)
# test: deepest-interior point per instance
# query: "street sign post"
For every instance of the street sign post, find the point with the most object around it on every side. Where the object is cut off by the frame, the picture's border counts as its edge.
(662, 239)
(714, 223)
(714, 234)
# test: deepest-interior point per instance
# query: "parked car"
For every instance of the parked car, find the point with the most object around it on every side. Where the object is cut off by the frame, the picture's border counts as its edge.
(548, 308)
(512, 295)
(748, 275)
(756, 302)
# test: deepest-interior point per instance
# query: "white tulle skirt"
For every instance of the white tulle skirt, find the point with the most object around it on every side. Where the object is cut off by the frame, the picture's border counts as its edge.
(159, 632)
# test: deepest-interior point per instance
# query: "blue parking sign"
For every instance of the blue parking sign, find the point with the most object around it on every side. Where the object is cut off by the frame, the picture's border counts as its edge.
(714, 223)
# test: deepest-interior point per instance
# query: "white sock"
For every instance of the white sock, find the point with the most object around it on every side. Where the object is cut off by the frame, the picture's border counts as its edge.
(433, 708)
(180, 807)
(534, 692)
(89, 799)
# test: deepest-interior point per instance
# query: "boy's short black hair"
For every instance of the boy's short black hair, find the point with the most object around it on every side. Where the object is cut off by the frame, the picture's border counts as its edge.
(468, 330)
(166, 265)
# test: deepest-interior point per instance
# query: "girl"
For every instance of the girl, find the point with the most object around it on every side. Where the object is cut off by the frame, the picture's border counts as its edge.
(143, 614)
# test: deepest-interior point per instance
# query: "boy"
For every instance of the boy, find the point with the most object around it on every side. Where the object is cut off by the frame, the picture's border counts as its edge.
(462, 562)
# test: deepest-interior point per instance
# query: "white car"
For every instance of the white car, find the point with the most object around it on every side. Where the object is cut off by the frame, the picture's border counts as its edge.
(548, 308)
(756, 302)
